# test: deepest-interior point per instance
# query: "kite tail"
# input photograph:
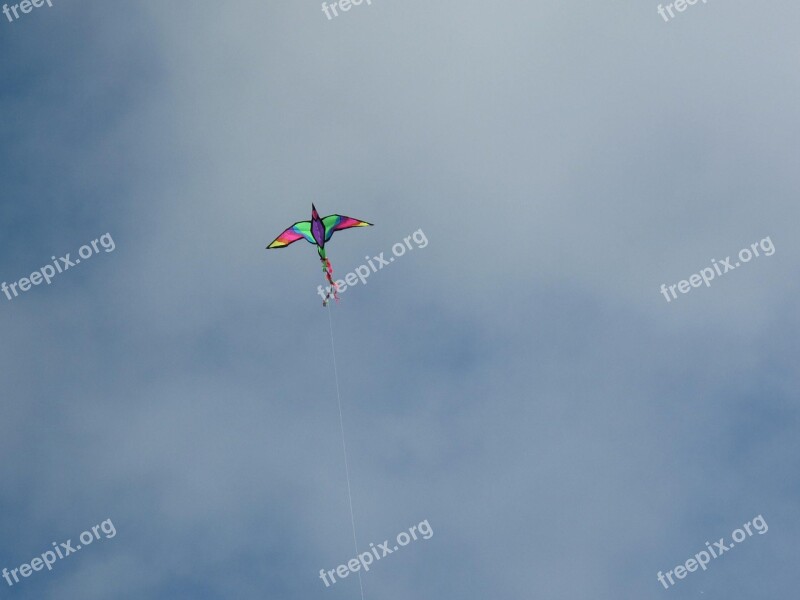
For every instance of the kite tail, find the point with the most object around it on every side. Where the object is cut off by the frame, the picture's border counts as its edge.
(333, 290)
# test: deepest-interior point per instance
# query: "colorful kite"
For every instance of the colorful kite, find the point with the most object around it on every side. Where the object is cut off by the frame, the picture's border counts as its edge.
(318, 231)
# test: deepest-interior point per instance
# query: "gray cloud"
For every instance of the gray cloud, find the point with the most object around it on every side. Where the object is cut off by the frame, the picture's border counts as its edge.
(520, 382)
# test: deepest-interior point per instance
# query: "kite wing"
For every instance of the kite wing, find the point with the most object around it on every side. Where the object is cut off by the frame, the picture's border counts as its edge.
(336, 222)
(298, 231)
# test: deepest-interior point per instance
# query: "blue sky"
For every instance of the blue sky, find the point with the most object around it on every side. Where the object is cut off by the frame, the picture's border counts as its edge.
(520, 382)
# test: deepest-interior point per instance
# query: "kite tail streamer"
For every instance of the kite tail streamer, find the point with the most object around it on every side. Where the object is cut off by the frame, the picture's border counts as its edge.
(333, 290)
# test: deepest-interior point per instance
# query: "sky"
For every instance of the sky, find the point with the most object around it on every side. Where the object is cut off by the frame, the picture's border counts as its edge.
(520, 381)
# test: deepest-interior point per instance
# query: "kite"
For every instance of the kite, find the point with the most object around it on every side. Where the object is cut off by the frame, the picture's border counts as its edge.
(318, 231)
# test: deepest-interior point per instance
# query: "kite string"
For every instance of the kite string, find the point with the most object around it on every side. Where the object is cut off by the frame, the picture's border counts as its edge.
(344, 447)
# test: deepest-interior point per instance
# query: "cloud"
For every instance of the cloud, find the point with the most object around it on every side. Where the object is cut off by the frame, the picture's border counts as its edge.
(521, 383)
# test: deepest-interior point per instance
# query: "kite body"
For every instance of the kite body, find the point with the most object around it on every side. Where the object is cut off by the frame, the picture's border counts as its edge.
(318, 231)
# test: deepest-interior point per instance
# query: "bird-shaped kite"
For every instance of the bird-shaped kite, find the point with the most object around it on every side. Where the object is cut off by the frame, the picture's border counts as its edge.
(318, 231)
